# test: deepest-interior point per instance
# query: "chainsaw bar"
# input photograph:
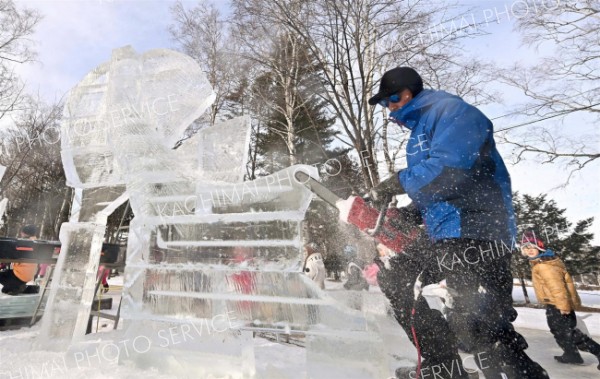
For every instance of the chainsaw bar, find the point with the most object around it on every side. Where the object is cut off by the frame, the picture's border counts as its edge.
(317, 188)
(378, 224)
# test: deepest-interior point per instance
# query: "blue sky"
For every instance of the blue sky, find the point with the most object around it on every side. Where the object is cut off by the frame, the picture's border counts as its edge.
(76, 36)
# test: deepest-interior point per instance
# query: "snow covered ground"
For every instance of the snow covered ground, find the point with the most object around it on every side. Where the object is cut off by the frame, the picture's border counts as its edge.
(18, 358)
(536, 318)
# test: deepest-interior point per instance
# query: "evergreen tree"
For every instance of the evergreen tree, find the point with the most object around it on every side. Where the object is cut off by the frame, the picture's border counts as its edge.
(312, 133)
(308, 140)
(298, 128)
(577, 251)
(573, 242)
(34, 181)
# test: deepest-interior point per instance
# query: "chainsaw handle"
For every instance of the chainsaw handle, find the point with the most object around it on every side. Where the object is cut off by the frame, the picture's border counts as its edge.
(381, 218)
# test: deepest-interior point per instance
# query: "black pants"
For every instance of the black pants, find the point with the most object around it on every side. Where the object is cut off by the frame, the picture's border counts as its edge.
(567, 336)
(482, 314)
(437, 343)
(11, 284)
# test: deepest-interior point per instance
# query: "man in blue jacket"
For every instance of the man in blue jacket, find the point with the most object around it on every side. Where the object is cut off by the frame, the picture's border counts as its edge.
(461, 188)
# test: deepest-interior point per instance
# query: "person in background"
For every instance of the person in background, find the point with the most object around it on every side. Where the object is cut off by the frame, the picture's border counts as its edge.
(105, 274)
(554, 287)
(356, 280)
(314, 267)
(14, 281)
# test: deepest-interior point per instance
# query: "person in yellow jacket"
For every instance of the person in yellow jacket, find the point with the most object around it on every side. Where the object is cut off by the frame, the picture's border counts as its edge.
(554, 287)
(14, 281)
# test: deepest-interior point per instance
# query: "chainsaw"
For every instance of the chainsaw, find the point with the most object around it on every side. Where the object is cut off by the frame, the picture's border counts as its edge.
(386, 225)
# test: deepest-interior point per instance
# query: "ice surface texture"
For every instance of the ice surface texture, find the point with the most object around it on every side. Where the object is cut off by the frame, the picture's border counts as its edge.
(206, 250)
(133, 102)
(126, 114)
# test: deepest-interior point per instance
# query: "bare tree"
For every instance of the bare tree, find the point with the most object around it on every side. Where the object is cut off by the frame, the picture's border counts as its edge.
(34, 181)
(354, 42)
(284, 80)
(202, 33)
(549, 148)
(15, 48)
(253, 158)
(561, 84)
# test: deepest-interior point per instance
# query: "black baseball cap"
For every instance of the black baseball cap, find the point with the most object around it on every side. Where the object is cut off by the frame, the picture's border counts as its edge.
(396, 80)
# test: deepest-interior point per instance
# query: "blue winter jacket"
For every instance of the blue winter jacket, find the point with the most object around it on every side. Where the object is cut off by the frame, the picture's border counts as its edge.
(455, 175)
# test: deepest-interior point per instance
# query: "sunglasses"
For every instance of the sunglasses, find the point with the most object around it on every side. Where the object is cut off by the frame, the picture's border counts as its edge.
(392, 99)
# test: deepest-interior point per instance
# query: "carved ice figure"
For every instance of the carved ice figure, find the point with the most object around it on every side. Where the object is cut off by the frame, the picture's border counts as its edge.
(130, 96)
(209, 256)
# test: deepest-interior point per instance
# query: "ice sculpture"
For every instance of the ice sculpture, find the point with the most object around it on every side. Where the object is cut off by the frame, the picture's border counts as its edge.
(210, 258)
(120, 98)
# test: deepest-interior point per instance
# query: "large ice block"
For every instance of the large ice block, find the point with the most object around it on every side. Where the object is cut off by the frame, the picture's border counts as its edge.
(236, 249)
(143, 100)
(73, 282)
(205, 247)
(81, 246)
(150, 98)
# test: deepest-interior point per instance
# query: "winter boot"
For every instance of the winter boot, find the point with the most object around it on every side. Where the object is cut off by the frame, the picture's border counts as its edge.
(517, 364)
(490, 365)
(585, 343)
(570, 358)
(523, 367)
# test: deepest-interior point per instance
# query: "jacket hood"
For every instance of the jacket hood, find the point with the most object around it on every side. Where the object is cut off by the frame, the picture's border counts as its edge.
(410, 113)
(546, 254)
